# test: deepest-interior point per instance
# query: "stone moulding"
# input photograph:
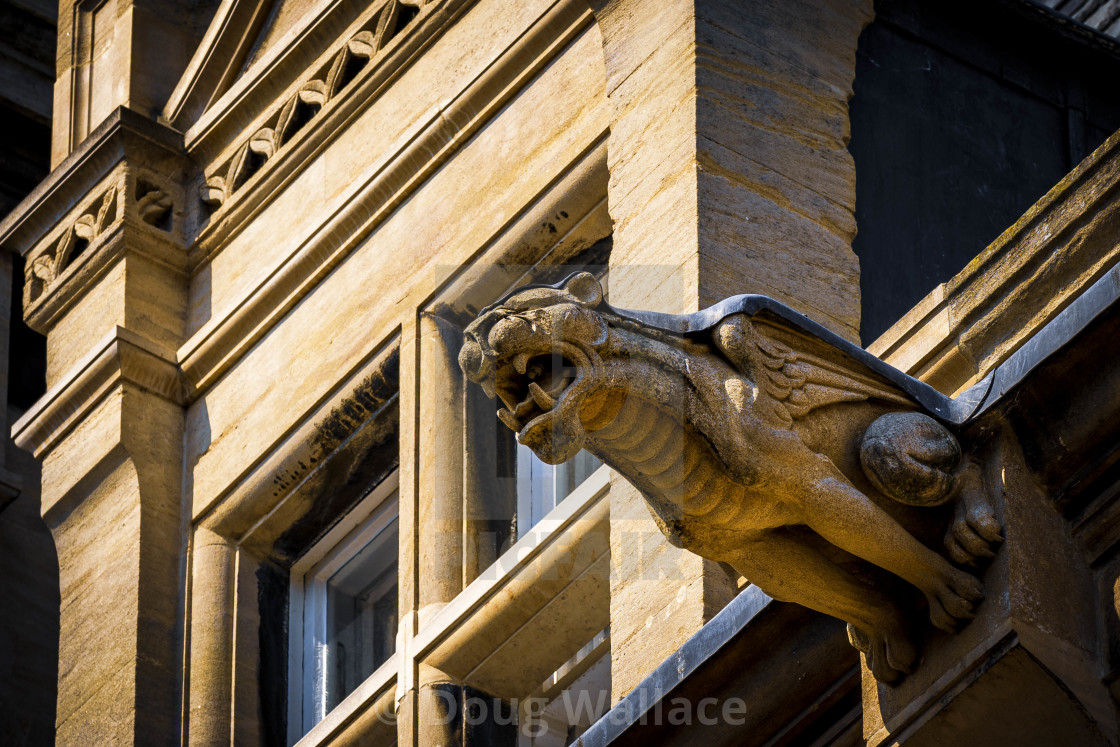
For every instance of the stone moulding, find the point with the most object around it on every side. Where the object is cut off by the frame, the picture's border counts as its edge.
(286, 472)
(966, 327)
(570, 547)
(341, 68)
(221, 342)
(122, 356)
(219, 57)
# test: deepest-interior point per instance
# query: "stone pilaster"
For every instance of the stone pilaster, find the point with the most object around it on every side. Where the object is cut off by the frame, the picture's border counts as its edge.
(440, 517)
(117, 53)
(106, 283)
(729, 173)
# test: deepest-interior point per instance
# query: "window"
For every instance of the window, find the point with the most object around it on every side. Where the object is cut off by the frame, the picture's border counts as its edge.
(343, 609)
(575, 696)
(951, 145)
(541, 486)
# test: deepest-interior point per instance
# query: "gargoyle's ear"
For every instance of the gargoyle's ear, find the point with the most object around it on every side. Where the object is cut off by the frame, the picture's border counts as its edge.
(585, 287)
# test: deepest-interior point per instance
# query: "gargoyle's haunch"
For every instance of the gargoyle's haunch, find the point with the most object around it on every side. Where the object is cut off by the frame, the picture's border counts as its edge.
(758, 440)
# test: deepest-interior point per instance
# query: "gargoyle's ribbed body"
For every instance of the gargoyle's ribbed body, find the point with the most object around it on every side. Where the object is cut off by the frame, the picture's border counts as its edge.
(679, 472)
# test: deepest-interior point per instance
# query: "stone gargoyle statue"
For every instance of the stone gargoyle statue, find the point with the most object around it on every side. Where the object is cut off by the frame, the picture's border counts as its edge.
(761, 440)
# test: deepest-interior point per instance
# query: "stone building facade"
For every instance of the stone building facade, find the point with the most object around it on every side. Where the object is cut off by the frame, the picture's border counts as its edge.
(280, 514)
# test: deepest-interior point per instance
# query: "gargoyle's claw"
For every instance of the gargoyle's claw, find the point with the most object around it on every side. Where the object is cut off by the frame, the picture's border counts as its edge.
(982, 520)
(509, 419)
(975, 545)
(953, 599)
(888, 657)
(957, 553)
(941, 619)
(975, 528)
(543, 399)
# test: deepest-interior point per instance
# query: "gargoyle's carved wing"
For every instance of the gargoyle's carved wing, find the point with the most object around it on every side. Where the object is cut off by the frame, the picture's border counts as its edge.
(793, 381)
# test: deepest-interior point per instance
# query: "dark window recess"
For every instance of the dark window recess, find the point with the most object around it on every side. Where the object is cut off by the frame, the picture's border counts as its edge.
(964, 115)
(27, 350)
(272, 660)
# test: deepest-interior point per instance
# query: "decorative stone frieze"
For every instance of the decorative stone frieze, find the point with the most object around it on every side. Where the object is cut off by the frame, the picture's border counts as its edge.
(57, 256)
(761, 440)
(292, 115)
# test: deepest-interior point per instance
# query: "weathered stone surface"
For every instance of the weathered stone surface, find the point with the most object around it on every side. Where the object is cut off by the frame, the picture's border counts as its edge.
(738, 429)
(1024, 670)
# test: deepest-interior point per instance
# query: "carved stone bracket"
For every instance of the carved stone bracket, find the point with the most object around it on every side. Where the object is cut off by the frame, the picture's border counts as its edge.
(761, 440)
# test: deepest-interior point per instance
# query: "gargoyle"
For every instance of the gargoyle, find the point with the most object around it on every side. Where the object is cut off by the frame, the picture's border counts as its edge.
(758, 439)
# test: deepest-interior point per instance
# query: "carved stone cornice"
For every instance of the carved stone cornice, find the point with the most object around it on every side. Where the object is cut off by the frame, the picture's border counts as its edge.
(220, 56)
(335, 70)
(117, 190)
(123, 135)
(250, 148)
(122, 356)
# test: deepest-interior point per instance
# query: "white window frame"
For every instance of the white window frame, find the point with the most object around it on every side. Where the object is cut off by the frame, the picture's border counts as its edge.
(307, 602)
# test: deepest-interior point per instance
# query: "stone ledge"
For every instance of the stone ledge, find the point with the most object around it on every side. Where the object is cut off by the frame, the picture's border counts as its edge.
(122, 356)
(472, 636)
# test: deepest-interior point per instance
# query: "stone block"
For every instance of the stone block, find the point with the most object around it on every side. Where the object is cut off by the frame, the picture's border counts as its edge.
(1025, 671)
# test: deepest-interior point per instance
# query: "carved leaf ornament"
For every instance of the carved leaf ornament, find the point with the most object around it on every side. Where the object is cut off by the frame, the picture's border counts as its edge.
(308, 101)
(49, 266)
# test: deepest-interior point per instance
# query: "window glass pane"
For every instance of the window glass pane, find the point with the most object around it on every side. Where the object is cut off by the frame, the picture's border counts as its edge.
(541, 486)
(361, 615)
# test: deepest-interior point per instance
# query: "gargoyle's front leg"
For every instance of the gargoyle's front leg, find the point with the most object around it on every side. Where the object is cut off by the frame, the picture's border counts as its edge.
(789, 570)
(837, 511)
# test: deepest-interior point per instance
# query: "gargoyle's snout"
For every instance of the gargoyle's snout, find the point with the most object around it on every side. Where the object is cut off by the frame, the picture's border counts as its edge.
(477, 365)
(473, 361)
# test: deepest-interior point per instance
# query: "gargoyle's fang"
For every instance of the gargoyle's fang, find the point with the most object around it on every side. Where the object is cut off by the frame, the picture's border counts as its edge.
(508, 418)
(521, 362)
(541, 397)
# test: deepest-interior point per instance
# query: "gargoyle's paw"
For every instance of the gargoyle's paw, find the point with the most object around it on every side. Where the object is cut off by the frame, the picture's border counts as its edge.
(901, 653)
(965, 543)
(981, 518)
(940, 618)
(889, 657)
(953, 599)
(878, 661)
(976, 529)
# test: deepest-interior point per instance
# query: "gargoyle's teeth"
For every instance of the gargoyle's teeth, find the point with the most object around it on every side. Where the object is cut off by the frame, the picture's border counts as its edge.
(521, 362)
(508, 418)
(543, 399)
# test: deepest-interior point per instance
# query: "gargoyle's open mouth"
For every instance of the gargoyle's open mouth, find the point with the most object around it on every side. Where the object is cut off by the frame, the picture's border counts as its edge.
(531, 386)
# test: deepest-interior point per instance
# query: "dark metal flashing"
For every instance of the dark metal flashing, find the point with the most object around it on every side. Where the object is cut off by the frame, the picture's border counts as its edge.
(1057, 333)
